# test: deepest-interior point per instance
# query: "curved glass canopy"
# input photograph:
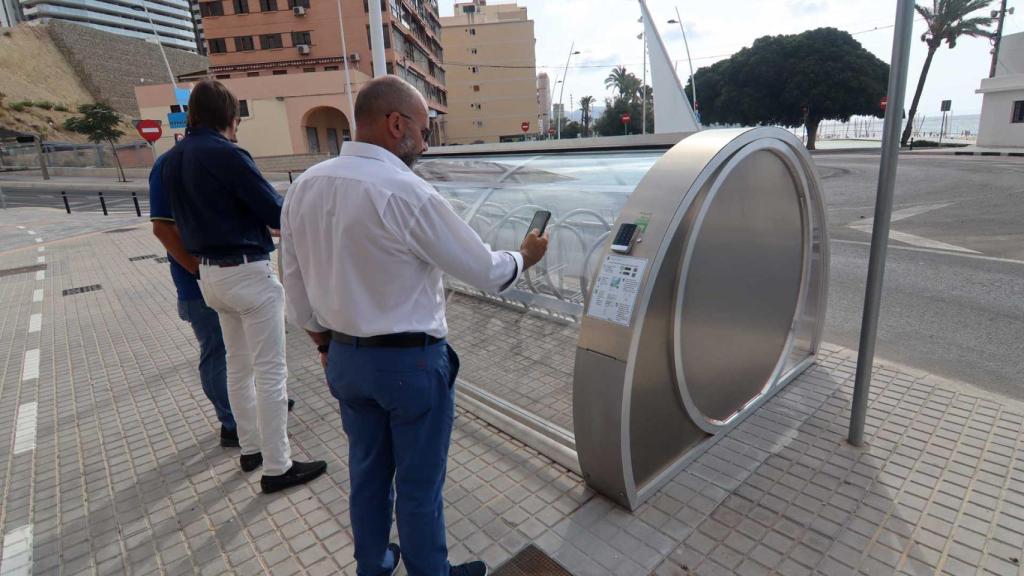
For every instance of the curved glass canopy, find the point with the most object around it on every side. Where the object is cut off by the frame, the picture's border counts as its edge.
(523, 342)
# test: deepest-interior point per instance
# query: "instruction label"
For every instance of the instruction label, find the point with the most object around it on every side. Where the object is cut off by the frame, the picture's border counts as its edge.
(617, 286)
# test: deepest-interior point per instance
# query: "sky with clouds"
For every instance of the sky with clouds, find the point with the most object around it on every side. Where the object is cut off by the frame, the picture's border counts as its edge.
(605, 32)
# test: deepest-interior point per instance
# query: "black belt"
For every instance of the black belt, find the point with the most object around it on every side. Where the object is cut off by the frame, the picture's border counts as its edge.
(229, 261)
(403, 340)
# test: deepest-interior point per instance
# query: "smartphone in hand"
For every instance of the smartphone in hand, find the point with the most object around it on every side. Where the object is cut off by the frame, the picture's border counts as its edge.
(540, 222)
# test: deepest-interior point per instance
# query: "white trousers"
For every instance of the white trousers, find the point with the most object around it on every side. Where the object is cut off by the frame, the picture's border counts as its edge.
(249, 300)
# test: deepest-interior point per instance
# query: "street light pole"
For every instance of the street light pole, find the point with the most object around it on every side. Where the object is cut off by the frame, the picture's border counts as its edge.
(348, 79)
(693, 79)
(643, 88)
(883, 217)
(561, 92)
(159, 44)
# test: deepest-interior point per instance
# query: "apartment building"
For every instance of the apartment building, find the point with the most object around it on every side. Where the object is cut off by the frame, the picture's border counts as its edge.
(543, 102)
(251, 38)
(492, 73)
(171, 20)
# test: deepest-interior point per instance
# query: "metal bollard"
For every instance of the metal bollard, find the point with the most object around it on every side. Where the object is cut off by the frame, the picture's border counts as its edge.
(289, 176)
(67, 206)
(103, 204)
(138, 211)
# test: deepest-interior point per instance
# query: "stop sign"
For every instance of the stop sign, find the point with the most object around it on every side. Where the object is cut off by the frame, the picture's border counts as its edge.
(525, 126)
(626, 118)
(150, 130)
(551, 131)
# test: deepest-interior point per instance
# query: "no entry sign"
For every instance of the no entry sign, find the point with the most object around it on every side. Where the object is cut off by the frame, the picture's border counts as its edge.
(525, 126)
(625, 118)
(150, 130)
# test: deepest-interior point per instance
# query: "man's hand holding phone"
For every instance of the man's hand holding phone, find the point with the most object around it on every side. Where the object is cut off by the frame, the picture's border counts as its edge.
(535, 245)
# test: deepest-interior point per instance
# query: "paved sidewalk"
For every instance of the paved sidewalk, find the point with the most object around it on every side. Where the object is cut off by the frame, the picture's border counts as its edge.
(109, 461)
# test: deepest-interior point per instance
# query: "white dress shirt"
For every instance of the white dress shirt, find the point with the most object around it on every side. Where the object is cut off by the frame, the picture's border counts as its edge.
(365, 244)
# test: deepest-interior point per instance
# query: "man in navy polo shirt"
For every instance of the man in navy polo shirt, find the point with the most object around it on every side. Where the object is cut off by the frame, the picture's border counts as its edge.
(192, 308)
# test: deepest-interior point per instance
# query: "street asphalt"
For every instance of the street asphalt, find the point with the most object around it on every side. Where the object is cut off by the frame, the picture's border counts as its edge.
(954, 289)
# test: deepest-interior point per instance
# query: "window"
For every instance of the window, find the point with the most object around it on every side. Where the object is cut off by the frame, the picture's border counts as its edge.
(307, 70)
(178, 109)
(243, 108)
(252, 74)
(472, 31)
(387, 36)
(241, 6)
(279, 72)
(474, 69)
(216, 45)
(243, 44)
(301, 38)
(313, 140)
(476, 88)
(472, 50)
(302, 3)
(222, 76)
(478, 123)
(1018, 112)
(211, 9)
(330, 68)
(475, 106)
(268, 5)
(268, 41)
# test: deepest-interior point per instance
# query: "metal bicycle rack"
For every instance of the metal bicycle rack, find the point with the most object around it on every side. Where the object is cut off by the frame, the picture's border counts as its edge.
(621, 363)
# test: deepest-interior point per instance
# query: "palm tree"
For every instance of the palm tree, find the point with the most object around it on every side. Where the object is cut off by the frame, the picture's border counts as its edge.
(586, 103)
(947, 21)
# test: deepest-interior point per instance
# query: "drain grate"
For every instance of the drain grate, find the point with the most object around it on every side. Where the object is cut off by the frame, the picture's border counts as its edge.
(161, 260)
(83, 289)
(146, 257)
(531, 561)
(22, 270)
(120, 230)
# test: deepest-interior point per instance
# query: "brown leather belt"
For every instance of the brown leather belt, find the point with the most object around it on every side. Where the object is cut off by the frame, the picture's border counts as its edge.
(402, 340)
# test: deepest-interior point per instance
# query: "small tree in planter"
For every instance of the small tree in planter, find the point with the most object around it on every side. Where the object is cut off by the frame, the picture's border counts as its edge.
(99, 123)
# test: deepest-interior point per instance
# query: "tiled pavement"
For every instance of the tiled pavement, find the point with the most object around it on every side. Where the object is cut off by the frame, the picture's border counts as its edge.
(121, 472)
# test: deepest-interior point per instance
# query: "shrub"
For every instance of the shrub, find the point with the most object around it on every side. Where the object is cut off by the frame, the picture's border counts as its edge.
(60, 108)
(19, 106)
(44, 104)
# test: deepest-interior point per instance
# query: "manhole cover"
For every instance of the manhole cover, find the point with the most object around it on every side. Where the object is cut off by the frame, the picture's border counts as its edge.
(22, 270)
(146, 257)
(531, 561)
(82, 289)
(161, 260)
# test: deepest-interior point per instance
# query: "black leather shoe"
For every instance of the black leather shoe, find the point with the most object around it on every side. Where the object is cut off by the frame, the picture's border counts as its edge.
(475, 568)
(251, 462)
(291, 404)
(299, 473)
(397, 553)
(228, 438)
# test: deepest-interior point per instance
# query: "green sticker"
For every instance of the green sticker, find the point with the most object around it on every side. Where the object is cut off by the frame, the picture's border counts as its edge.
(642, 222)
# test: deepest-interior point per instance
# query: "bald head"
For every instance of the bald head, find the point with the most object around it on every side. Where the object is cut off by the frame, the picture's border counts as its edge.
(392, 114)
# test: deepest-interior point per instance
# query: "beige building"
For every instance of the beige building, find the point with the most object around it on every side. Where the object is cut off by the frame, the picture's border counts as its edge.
(491, 73)
(544, 102)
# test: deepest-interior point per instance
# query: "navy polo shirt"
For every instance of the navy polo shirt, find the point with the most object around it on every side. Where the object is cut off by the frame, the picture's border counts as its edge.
(222, 204)
(160, 209)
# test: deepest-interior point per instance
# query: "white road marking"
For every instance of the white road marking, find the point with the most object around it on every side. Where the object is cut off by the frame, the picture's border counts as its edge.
(41, 249)
(940, 252)
(37, 295)
(25, 428)
(41, 275)
(902, 214)
(918, 241)
(35, 323)
(16, 558)
(40, 259)
(39, 240)
(31, 232)
(21, 227)
(30, 368)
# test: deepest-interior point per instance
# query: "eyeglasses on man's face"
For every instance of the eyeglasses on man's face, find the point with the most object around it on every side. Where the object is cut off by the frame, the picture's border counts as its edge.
(425, 132)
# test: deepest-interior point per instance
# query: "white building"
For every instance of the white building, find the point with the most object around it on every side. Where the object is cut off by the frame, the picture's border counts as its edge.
(1002, 109)
(172, 19)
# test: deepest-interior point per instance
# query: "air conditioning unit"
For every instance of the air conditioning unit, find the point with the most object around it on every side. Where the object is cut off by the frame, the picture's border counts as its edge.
(303, 49)
(299, 10)
(354, 57)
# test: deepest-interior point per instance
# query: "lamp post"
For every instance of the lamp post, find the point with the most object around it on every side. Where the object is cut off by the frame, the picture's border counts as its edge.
(693, 79)
(561, 91)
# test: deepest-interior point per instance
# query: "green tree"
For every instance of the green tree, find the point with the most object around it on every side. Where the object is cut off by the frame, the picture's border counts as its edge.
(789, 80)
(99, 123)
(947, 20)
(610, 122)
(571, 129)
(586, 104)
(625, 84)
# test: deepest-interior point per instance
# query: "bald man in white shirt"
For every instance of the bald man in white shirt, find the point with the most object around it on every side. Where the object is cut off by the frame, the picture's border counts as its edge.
(366, 243)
